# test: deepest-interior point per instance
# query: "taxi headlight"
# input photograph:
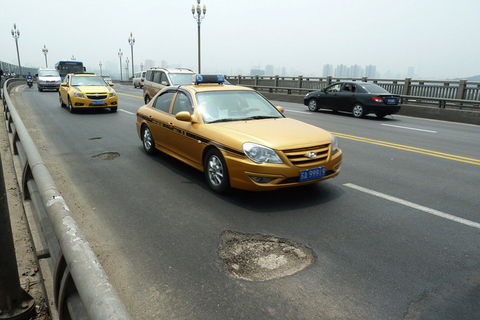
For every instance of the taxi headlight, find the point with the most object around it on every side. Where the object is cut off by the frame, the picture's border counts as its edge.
(77, 94)
(260, 154)
(334, 144)
(112, 94)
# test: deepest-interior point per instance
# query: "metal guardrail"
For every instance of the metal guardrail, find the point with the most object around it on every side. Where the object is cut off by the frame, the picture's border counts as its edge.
(81, 287)
(446, 94)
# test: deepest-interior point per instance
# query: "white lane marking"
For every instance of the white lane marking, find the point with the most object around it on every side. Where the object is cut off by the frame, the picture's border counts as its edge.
(409, 128)
(126, 111)
(415, 206)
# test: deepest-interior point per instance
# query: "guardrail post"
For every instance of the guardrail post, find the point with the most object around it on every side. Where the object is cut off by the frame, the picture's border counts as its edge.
(15, 303)
(238, 79)
(461, 89)
(329, 80)
(300, 84)
(256, 79)
(364, 79)
(406, 86)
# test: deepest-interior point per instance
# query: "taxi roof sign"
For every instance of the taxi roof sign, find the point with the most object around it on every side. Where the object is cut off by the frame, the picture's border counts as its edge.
(209, 78)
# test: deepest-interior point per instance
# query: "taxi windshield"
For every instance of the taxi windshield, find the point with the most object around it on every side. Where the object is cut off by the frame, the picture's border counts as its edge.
(223, 106)
(87, 81)
(181, 78)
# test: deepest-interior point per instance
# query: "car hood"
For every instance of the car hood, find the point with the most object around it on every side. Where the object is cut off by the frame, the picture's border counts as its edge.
(280, 133)
(93, 89)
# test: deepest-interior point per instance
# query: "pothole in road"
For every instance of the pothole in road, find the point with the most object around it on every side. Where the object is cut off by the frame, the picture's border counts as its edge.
(106, 156)
(256, 257)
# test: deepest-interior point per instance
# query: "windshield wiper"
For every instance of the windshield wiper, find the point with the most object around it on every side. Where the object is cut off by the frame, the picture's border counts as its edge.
(260, 117)
(224, 120)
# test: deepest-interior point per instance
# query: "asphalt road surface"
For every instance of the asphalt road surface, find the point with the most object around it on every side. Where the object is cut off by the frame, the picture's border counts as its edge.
(394, 236)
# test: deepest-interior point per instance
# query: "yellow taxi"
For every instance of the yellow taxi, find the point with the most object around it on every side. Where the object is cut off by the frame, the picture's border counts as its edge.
(87, 91)
(236, 136)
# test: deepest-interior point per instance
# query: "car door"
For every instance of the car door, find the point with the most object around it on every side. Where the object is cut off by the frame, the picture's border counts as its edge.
(345, 97)
(330, 96)
(182, 135)
(158, 117)
(64, 89)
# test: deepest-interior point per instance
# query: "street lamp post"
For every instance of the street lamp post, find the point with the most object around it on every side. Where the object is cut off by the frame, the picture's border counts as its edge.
(100, 64)
(16, 35)
(45, 51)
(120, 54)
(126, 66)
(131, 41)
(199, 19)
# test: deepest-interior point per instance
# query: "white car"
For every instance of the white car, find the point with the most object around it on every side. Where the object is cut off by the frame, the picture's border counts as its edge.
(138, 79)
(48, 79)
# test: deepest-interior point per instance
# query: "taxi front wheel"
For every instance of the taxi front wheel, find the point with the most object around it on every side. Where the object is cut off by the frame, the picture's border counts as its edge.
(70, 106)
(216, 171)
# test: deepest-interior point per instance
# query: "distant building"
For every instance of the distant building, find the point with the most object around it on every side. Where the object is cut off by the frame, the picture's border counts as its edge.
(410, 72)
(356, 71)
(257, 72)
(149, 64)
(269, 70)
(371, 71)
(341, 71)
(327, 70)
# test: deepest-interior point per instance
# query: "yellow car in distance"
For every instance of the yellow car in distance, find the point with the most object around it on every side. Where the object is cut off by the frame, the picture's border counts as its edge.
(236, 136)
(87, 91)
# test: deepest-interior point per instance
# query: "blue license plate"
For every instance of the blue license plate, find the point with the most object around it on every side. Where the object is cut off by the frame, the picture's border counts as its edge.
(312, 174)
(94, 102)
(392, 101)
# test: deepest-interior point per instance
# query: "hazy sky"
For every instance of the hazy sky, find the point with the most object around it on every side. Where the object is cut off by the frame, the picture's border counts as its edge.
(439, 38)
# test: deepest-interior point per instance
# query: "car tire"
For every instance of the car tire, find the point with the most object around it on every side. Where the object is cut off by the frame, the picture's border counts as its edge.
(63, 105)
(113, 109)
(147, 99)
(216, 172)
(313, 105)
(70, 106)
(135, 86)
(148, 142)
(380, 115)
(358, 111)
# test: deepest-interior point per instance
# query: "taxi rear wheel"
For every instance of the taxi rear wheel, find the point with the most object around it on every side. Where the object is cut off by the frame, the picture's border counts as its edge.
(63, 105)
(216, 171)
(148, 142)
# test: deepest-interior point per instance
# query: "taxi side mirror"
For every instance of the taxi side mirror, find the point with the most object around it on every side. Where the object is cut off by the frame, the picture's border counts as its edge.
(184, 116)
(280, 109)
(64, 84)
(111, 84)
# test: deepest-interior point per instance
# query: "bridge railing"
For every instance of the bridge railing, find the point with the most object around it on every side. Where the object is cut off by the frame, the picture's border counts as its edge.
(81, 287)
(448, 93)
